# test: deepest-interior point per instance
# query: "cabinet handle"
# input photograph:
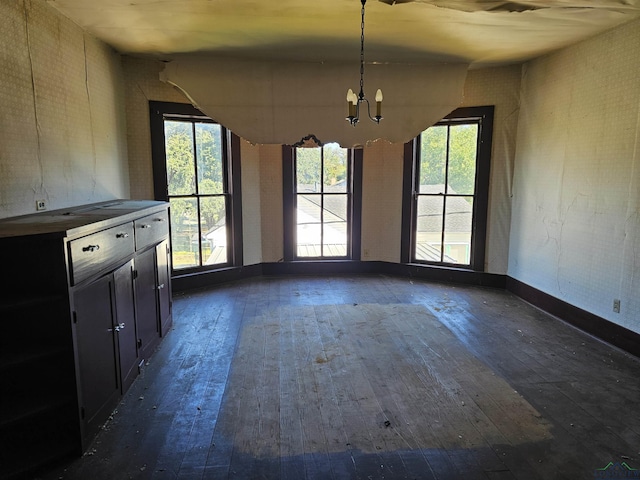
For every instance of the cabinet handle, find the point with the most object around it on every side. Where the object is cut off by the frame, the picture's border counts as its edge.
(117, 328)
(161, 286)
(159, 219)
(91, 248)
(122, 235)
(145, 225)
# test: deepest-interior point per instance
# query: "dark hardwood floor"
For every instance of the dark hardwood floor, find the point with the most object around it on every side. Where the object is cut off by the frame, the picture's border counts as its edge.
(370, 377)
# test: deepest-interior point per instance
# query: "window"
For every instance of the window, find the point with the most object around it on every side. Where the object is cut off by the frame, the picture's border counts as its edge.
(446, 190)
(196, 169)
(322, 202)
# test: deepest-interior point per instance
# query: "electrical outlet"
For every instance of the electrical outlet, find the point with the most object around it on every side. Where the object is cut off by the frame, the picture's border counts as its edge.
(616, 305)
(41, 205)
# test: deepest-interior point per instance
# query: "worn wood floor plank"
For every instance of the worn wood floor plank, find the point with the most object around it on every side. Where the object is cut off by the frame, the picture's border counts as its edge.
(369, 377)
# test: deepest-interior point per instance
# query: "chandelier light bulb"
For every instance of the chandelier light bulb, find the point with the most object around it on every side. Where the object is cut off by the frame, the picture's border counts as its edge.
(378, 104)
(352, 100)
(349, 94)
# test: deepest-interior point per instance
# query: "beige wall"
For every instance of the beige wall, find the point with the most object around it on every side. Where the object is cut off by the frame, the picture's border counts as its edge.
(499, 87)
(261, 170)
(382, 172)
(251, 203)
(382, 182)
(70, 172)
(271, 202)
(142, 85)
(575, 230)
(62, 122)
(382, 201)
(74, 129)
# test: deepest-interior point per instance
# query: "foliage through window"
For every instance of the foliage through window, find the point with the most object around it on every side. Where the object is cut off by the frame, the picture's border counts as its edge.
(450, 185)
(198, 188)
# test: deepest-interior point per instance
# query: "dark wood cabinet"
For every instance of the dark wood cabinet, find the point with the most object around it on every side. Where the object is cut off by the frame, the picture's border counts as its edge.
(124, 325)
(146, 303)
(98, 370)
(87, 300)
(163, 266)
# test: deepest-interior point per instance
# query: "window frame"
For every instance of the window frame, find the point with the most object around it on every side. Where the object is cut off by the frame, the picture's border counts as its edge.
(158, 112)
(354, 207)
(484, 117)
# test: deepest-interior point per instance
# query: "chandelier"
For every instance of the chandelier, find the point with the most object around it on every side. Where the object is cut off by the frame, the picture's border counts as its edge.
(354, 101)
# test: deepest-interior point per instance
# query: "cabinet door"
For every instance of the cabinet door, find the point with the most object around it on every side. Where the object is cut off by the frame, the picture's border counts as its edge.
(146, 303)
(98, 370)
(126, 324)
(164, 286)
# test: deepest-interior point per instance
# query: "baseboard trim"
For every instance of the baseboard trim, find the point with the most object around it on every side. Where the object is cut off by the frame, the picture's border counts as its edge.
(605, 330)
(329, 267)
(337, 267)
(444, 274)
(191, 281)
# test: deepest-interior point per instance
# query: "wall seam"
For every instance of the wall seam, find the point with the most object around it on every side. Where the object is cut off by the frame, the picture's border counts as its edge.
(35, 101)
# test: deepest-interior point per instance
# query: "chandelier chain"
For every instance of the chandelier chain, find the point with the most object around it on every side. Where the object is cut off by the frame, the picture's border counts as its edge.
(354, 102)
(362, 52)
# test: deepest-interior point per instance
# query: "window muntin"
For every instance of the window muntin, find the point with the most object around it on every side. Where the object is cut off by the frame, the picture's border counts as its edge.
(196, 168)
(448, 165)
(322, 201)
(197, 192)
(446, 185)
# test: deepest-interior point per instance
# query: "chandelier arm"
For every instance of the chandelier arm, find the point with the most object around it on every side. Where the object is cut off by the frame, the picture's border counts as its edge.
(376, 118)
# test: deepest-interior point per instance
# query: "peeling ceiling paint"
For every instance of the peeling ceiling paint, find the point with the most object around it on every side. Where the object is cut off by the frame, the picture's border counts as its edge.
(283, 102)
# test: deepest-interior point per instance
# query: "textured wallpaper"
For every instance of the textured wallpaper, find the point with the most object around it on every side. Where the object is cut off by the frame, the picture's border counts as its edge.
(382, 189)
(499, 87)
(142, 84)
(575, 230)
(382, 201)
(62, 123)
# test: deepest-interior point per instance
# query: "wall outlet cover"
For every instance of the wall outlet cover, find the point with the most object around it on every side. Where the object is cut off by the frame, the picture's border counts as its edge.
(616, 305)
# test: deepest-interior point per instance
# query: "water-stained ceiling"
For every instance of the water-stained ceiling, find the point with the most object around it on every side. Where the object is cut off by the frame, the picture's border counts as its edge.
(479, 32)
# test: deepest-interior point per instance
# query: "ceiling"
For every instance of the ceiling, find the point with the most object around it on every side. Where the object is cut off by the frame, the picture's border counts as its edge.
(476, 32)
(275, 71)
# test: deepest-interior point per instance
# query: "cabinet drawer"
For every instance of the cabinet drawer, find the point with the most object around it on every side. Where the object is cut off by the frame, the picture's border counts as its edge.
(151, 229)
(91, 253)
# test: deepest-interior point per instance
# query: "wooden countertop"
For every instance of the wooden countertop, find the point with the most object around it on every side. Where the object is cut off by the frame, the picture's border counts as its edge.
(79, 220)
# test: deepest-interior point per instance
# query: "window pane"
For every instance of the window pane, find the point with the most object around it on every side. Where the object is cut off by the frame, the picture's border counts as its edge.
(209, 148)
(457, 230)
(180, 165)
(334, 236)
(308, 169)
(429, 228)
(214, 229)
(335, 168)
(463, 143)
(185, 245)
(335, 240)
(309, 222)
(433, 157)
